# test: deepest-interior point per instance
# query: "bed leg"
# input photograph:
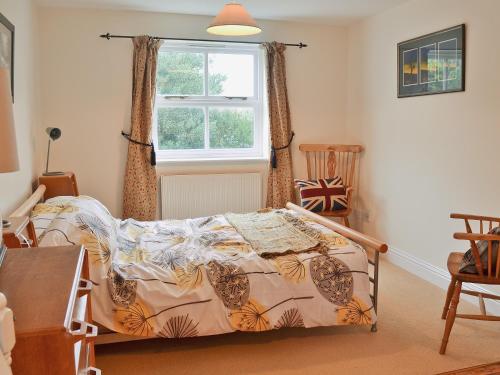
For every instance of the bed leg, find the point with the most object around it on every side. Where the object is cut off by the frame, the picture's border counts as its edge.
(374, 281)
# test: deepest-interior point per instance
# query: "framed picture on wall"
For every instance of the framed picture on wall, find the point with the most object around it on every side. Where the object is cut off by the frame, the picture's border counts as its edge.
(7, 48)
(433, 63)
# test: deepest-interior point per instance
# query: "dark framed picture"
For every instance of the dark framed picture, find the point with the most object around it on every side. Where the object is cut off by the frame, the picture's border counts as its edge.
(432, 64)
(7, 31)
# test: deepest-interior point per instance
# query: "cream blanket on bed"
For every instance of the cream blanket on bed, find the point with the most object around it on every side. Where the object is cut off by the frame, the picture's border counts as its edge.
(271, 234)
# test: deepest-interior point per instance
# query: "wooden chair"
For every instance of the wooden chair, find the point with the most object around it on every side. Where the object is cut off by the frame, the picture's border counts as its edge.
(328, 161)
(491, 276)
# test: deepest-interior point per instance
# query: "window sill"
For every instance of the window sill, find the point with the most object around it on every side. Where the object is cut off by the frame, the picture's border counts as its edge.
(250, 160)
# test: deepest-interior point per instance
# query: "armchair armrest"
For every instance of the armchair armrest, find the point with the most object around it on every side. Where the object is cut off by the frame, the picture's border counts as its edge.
(476, 237)
(475, 217)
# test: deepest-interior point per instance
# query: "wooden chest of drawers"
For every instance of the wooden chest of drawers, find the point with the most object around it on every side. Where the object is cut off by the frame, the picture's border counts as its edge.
(49, 293)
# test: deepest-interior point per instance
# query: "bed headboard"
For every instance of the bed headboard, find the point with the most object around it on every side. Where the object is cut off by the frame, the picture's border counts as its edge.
(27, 206)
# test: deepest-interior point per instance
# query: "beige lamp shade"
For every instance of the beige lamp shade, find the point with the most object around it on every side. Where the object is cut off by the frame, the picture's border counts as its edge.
(8, 147)
(233, 20)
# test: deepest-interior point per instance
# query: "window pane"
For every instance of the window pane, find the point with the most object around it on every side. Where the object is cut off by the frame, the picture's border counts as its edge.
(231, 127)
(230, 75)
(181, 128)
(180, 73)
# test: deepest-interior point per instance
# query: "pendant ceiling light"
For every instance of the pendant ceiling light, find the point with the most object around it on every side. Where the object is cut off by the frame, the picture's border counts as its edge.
(233, 20)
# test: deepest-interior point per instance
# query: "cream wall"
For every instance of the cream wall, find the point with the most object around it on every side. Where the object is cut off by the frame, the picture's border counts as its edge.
(86, 89)
(425, 156)
(14, 187)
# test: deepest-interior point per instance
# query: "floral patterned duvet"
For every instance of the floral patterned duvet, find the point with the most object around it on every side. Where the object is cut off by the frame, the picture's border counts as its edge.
(195, 277)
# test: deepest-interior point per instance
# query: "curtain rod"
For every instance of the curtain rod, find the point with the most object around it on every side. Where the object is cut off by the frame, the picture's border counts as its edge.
(108, 36)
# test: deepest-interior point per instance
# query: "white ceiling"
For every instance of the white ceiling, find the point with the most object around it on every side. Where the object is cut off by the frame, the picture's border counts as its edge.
(314, 11)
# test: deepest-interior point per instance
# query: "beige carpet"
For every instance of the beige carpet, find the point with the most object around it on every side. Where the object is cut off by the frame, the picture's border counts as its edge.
(407, 342)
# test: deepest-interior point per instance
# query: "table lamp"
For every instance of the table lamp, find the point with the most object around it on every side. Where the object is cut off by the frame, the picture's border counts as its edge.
(8, 147)
(54, 134)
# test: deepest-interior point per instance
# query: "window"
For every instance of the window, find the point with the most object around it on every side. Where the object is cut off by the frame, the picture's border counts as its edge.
(209, 102)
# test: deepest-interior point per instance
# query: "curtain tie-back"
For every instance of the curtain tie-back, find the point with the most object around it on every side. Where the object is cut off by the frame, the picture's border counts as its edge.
(274, 160)
(153, 153)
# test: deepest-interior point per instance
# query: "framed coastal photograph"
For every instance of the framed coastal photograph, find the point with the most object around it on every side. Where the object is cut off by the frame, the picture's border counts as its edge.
(7, 31)
(433, 63)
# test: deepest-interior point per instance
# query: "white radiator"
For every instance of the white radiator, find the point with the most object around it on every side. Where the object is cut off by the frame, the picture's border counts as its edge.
(187, 196)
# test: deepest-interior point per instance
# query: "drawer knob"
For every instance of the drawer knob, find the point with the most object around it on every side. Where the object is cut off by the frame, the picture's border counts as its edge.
(90, 371)
(92, 331)
(78, 329)
(84, 287)
(81, 329)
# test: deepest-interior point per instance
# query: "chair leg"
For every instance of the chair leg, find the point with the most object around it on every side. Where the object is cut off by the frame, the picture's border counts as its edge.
(450, 319)
(346, 222)
(451, 289)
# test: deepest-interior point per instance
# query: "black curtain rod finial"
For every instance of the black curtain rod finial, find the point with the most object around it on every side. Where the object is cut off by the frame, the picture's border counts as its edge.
(108, 36)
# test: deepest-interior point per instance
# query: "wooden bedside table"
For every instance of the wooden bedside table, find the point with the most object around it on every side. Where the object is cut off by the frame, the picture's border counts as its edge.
(12, 235)
(64, 184)
(48, 291)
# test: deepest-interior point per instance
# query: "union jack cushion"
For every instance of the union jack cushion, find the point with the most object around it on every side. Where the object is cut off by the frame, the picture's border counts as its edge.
(322, 194)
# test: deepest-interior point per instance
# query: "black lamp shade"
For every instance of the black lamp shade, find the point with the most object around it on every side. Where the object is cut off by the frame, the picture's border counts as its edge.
(54, 133)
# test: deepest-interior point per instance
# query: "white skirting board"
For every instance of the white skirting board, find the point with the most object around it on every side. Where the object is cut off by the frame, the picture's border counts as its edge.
(437, 276)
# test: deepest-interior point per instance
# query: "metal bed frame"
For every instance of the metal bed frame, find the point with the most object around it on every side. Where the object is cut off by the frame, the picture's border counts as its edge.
(368, 242)
(374, 281)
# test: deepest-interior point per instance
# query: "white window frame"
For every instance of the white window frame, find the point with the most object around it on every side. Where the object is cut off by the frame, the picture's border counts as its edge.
(256, 102)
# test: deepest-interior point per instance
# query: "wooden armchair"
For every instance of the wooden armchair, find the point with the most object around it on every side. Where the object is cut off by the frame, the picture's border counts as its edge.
(487, 272)
(328, 161)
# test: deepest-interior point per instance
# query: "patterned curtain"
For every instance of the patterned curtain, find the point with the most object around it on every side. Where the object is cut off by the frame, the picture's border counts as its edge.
(280, 188)
(140, 188)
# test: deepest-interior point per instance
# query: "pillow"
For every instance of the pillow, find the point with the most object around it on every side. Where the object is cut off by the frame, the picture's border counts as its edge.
(77, 220)
(468, 264)
(322, 194)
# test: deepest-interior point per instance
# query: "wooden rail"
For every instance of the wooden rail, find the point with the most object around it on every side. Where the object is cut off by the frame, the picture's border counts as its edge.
(27, 206)
(352, 234)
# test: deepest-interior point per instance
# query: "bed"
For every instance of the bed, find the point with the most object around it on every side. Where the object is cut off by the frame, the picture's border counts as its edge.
(204, 276)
